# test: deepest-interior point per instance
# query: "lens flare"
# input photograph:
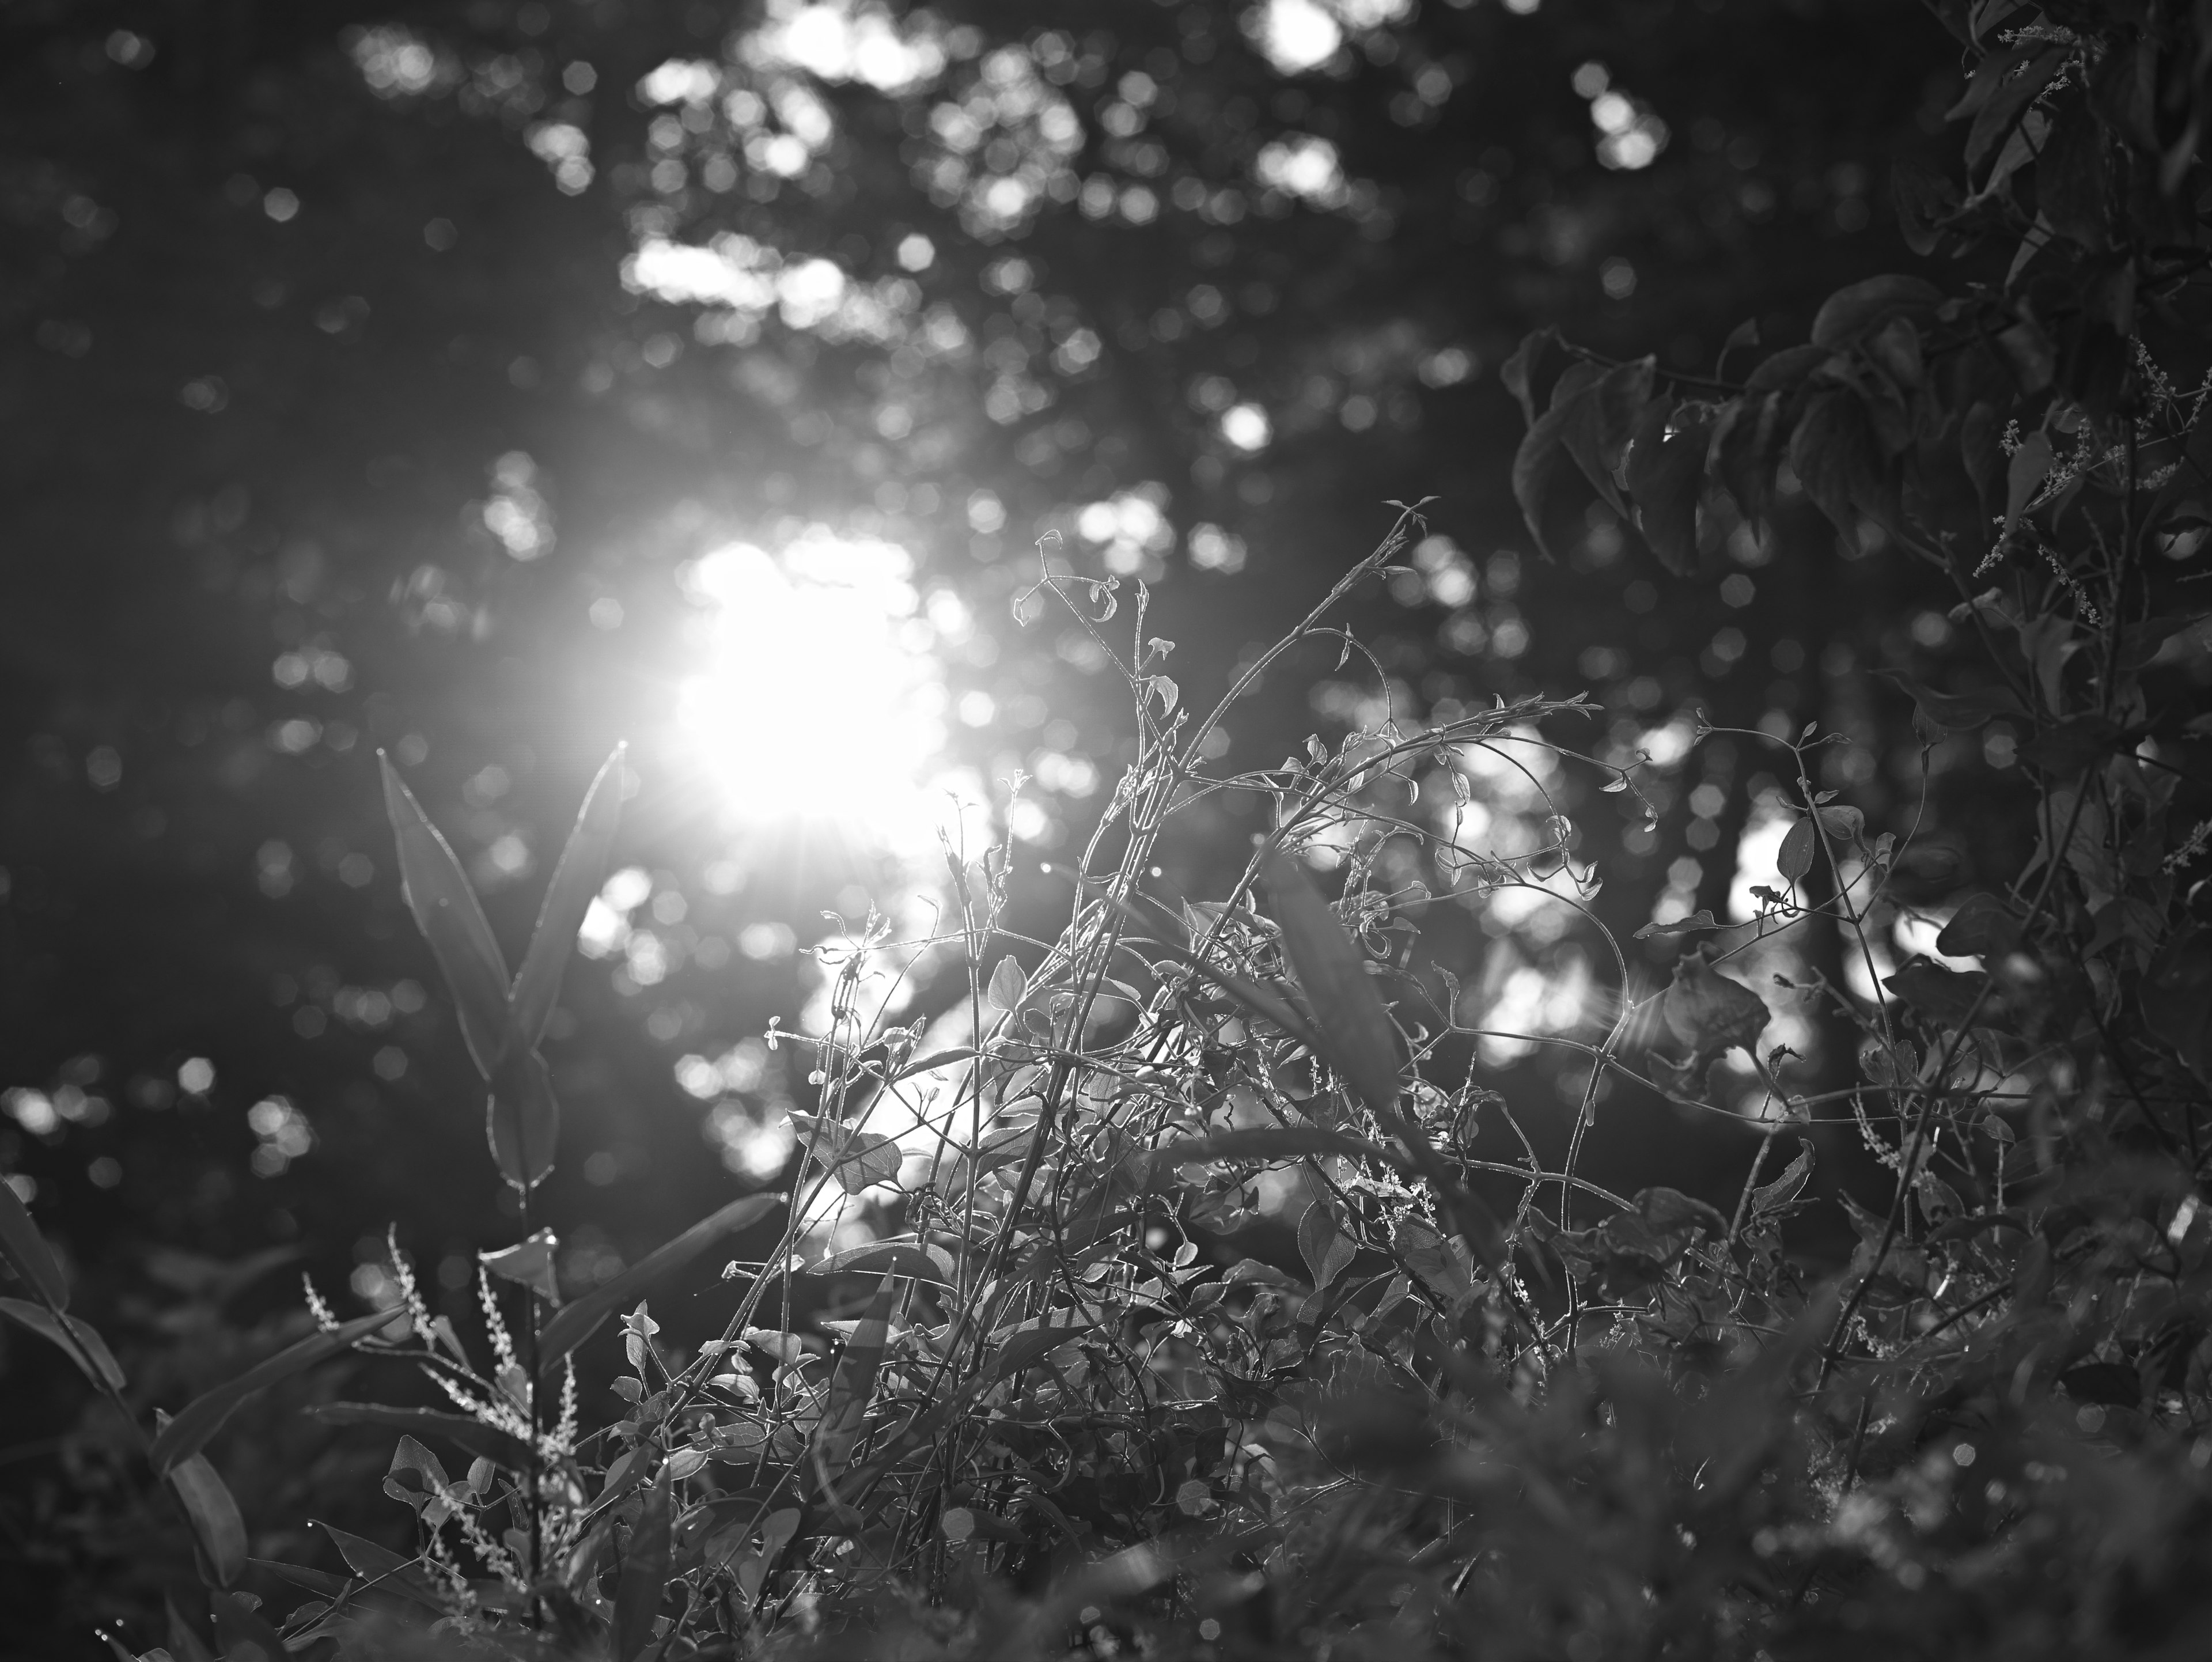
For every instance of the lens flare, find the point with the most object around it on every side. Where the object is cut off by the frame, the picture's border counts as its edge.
(822, 698)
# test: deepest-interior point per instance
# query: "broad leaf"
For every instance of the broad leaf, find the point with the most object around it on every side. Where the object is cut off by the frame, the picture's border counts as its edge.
(579, 1319)
(1666, 467)
(383, 1566)
(27, 1249)
(1852, 312)
(1543, 448)
(214, 1514)
(900, 1258)
(445, 910)
(1982, 925)
(1786, 1187)
(89, 1351)
(417, 1480)
(1356, 1033)
(1021, 1347)
(575, 880)
(1322, 1243)
(528, 1261)
(1708, 1011)
(1265, 1142)
(187, 1434)
(845, 1414)
(858, 1160)
(522, 1118)
(644, 1573)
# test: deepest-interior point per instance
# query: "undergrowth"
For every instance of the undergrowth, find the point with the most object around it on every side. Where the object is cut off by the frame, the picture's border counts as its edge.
(1504, 1411)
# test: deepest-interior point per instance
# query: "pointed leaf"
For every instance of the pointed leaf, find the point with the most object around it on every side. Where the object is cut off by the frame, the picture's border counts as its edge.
(1007, 984)
(1358, 1037)
(858, 1160)
(1709, 1011)
(522, 1118)
(2024, 475)
(1795, 858)
(528, 1261)
(1982, 925)
(1850, 313)
(846, 1413)
(1323, 1244)
(383, 1566)
(579, 1319)
(568, 897)
(187, 1434)
(644, 1573)
(1022, 1346)
(1665, 469)
(1784, 1189)
(89, 1352)
(1543, 448)
(473, 1435)
(446, 911)
(416, 1479)
(1265, 1142)
(214, 1514)
(27, 1249)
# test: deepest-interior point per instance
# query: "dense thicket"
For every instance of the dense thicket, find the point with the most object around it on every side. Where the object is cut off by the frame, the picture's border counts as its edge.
(1724, 1179)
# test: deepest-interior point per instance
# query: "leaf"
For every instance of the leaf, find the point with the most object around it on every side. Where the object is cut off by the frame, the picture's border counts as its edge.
(1022, 1348)
(2003, 107)
(90, 1351)
(27, 1249)
(1795, 858)
(858, 1160)
(1962, 710)
(1007, 984)
(1700, 919)
(1323, 1244)
(2069, 177)
(2065, 750)
(1982, 925)
(1264, 1142)
(776, 1531)
(1669, 1211)
(382, 1565)
(417, 1479)
(472, 1435)
(644, 1573)
(188, 1646)
(1746, 449)
(1708, 1011)
(1355, 1030)
(529, 1261)
(904, 1257)
(1536, 461)
(845, 1412)
(1786, 1187)
(1835, 458)
(581, 1317)
(522, 1118)
(445, 910)
(1597, 438)
(214, 1514)
(186, 1434)
(1945, 995)
(1664, 472)
(1852, 311)
(1429, 1257)
(243, 1632)
(575, 881)
(2024, 475)
(1521, 371)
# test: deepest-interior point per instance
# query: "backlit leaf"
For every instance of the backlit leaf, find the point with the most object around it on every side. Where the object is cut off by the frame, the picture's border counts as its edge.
(845, 1414)
(575, 881)
(522, 1118)
(445, 910)
(1354, 1024)
(472, 1435)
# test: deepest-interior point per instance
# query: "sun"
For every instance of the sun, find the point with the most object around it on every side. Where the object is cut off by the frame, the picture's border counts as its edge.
(819, 696)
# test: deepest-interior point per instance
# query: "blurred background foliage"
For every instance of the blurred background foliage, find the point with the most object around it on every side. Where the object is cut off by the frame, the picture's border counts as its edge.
(465, 380)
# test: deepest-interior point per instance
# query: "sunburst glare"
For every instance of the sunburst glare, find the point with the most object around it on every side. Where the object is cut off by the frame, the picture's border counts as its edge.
(821, 695)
